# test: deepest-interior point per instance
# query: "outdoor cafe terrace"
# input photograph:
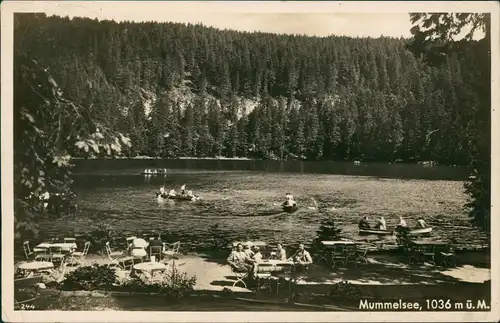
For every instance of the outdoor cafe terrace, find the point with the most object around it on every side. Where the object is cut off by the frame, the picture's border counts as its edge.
(425, 262)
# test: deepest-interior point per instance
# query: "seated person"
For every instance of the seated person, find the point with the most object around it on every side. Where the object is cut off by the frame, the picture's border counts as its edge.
(238, 259)
(183, 189)
(421, 224)
(190, 194)
(162, 190)
(155, 242)
(381, 224)
(248, 250)
(255, 259)
(302, 258)
(172, 192)
(280, 253)
(363, 223)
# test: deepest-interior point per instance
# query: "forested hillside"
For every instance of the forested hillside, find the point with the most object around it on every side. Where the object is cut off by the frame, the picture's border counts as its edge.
(189, 90)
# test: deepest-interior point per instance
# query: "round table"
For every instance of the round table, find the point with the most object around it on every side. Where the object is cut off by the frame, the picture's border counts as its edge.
(36, 266)
(150, 266)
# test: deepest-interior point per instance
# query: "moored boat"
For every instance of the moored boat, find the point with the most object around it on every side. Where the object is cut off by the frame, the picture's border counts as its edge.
(154, 171)
(420, 232)
(373, 231)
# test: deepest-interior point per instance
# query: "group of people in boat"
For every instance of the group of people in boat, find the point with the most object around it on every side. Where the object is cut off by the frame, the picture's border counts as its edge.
(155, 171)
(381, 225)
(183, 192)
(289, 201)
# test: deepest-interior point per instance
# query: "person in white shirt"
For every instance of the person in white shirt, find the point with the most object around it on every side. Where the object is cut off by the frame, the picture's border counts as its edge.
(402, 222)
(162, 190)
(172, 192)
(421, 223)
(381, 224)
(183, 189)
(255, 259)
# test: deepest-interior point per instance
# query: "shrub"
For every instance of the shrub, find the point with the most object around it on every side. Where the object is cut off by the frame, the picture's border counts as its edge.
(327, 231)
(96, 277)
(173, 284)
(100, 235)
(345, 291)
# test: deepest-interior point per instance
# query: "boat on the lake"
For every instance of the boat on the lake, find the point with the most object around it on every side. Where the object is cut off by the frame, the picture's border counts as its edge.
(154, 171)
(376, 232)
(177, 197)
(384, 232)
(290, 208)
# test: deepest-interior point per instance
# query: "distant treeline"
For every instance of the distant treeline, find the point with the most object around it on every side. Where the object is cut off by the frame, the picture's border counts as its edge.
(190, 90)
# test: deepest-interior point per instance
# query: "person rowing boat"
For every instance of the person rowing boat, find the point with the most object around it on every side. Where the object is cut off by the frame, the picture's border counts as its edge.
(289, 201)
(364, 223)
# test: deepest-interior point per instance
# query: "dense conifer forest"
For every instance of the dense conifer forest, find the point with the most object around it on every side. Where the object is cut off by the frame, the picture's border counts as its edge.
(189, 90)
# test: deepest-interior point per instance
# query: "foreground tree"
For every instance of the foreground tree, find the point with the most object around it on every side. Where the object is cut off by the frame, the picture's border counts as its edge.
(47, 129)
(436, 38)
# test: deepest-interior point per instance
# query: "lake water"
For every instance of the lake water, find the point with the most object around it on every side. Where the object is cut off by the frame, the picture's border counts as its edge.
(245, 205)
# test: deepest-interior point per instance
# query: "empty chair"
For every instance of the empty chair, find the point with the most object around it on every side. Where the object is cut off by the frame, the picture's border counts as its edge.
(171, 249)
(79, 256)
(350, 254)
(156, 251)
(27, 250)
(56, 254)
(338, 255)
(117, 258)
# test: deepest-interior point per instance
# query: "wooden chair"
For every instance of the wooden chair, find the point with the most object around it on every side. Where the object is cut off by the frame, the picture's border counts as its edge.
(351, 254)
(285, 273)
(361, 254)
(156, 251)
(240, 274)
(448, 258)
(79, 256)
(338, 255)
(56, 254)
(26, 290)
(129, 241)
(118, 258)
(171, 250)
(27, 250)
(263, 273)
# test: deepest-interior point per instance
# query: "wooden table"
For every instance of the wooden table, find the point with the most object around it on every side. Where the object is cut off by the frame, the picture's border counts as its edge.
(150, 266)
(36, 266)
(273, 265)
(65, 246)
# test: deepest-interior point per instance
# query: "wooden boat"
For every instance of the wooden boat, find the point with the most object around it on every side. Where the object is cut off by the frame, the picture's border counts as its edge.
(379, 232)
(290, 208)
(154, 172)
(420, 232)
(177, 197)
(376, 232)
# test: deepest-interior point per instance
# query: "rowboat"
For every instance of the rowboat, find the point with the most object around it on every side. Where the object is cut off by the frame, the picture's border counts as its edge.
(377, 232)
(177, 197)
(380, 232)
(420, 232)
(154, 172)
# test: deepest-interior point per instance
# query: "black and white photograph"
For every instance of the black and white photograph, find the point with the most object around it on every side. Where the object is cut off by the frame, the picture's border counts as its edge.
(250, 161)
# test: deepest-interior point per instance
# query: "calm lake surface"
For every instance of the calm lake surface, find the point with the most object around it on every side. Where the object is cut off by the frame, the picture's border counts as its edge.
(245, 205)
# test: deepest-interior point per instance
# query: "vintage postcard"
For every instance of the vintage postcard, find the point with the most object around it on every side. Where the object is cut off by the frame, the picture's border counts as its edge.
(250, 161)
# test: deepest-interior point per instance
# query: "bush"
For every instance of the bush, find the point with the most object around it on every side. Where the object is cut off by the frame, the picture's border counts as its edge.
(327, 231)
(96, 277)
(345, 291)
(173, 284)
(100, 235)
